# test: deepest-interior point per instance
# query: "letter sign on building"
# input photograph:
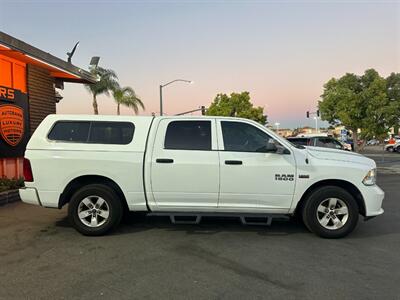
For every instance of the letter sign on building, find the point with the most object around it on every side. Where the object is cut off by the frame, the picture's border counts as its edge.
(13, 122)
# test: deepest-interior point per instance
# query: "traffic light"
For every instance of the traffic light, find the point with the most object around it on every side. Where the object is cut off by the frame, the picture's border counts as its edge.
(318, 113)
(203, 110)
(308, 114)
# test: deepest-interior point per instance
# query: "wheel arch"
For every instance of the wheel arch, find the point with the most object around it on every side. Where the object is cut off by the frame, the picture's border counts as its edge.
(83, 180)
(346, 185)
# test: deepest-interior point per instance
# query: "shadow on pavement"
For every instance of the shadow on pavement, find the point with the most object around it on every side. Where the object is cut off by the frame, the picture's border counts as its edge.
(386, 224)
(139, 222)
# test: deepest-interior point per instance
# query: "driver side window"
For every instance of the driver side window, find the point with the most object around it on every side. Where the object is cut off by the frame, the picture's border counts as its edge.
(244, 137)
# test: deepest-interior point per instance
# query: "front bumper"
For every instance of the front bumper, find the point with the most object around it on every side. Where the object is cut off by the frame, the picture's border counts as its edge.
(373, 197)
(29, 195)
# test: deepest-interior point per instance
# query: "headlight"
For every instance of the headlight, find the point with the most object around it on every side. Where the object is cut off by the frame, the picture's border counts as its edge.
(370, 178)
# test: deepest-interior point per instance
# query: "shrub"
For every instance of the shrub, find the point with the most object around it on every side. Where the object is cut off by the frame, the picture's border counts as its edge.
(10, 184)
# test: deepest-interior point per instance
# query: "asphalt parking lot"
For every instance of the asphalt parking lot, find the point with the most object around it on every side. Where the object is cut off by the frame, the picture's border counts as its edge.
(42, 257)
(387, 162)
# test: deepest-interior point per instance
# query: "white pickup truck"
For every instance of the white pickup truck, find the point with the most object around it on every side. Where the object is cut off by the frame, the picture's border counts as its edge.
(191, 167)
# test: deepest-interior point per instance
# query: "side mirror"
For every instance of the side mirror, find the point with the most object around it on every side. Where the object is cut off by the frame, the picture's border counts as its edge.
(271, 147)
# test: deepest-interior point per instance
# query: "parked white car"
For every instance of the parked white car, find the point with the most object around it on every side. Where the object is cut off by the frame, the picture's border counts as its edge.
(192, 166)
(393, 147)
(373, 142)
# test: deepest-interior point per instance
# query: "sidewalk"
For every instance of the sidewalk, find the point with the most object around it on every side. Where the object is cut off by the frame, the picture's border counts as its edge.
(387, 162)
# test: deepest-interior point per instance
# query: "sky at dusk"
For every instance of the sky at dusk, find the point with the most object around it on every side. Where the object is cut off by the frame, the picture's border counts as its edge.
(282, 52)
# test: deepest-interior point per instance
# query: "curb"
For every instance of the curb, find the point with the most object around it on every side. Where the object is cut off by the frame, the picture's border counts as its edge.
(389, 170)
(9, 197)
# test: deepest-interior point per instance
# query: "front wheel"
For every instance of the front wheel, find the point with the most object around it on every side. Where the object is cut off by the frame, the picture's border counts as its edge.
(95, 209)
(330, 212)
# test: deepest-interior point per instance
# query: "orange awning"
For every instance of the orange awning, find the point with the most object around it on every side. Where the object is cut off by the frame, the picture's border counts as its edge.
(58, 68)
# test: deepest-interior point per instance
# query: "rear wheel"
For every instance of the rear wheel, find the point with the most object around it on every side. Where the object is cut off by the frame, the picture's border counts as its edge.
(95, 210)
(390, 149)
(330, 212)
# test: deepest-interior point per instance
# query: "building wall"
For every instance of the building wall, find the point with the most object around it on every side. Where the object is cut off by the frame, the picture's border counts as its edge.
(41, 93)
(12, 75)
(39, 85)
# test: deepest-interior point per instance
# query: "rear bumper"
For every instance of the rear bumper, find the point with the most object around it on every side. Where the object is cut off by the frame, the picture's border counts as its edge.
(30, 196)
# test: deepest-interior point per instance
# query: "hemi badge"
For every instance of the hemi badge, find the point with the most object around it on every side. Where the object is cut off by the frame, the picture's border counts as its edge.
(304, 176)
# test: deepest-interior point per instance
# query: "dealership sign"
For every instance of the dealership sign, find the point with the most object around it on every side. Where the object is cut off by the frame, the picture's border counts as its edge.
(13, 122)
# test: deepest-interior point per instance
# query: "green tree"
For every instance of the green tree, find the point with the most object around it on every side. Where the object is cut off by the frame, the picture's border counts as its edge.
(126, 96)
(236, 105)
(393, 92)
(358, 102)
(107, 82)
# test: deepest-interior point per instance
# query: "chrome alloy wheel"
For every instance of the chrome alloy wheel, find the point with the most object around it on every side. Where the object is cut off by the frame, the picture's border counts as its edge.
(93, 211)
(332, 213)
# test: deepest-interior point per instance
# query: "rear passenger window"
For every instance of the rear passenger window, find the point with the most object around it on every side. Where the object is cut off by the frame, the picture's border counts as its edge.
(70, 131)
(188, 135)
(111, 133)
(120, 133)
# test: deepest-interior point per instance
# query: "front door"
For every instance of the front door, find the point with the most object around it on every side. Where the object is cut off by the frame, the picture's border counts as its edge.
(185, 165)
(252, 177)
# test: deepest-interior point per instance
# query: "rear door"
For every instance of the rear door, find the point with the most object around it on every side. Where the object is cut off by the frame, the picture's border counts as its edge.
(185, 165)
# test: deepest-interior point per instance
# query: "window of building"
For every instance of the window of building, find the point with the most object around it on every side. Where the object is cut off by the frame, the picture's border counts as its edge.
(188, 135)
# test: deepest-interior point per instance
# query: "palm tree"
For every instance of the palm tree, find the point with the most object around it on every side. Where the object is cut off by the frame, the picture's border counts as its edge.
(107, 82)
(127, 96)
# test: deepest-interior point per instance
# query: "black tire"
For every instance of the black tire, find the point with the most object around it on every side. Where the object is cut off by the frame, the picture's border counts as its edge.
(389, 149)
(310, 215)
(398, 149)
(114, 204)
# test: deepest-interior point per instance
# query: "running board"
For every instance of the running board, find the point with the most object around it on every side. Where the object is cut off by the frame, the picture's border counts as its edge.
(259, 220)
(185, 219)
(195, 218)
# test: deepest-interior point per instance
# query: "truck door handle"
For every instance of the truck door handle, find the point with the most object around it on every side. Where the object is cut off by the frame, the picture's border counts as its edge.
(164, 160)
(233, 162)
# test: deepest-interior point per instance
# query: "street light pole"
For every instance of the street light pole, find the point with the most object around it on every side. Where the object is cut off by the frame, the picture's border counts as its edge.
(164, 85)
(277, 127)
(316, 125)
(316, 114)
(161, 104)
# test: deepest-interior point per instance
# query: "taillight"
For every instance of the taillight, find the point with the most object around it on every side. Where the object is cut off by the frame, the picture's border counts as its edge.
(28, 170)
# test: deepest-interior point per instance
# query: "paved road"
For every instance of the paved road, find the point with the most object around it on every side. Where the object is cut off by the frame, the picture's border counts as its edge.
(42, 257)
(387, 162)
